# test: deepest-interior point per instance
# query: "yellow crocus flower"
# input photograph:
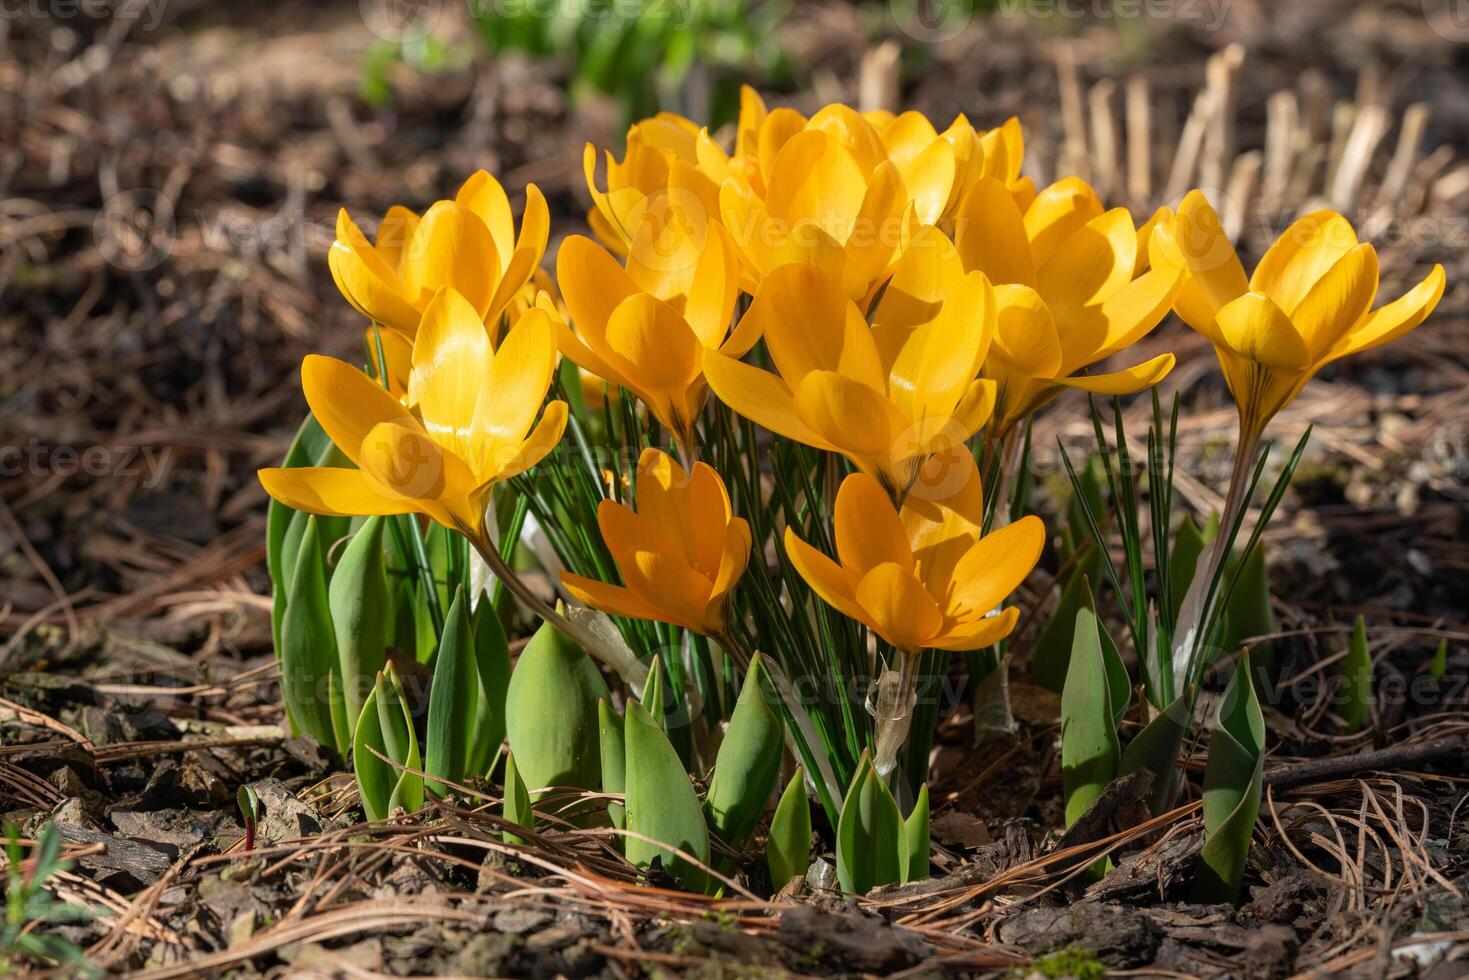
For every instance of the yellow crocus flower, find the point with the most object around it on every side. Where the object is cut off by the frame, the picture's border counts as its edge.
(648, 327)
(1064, 284)
(469, 426)
(922, 576)
(997, 153)
(467, 244)
(680, 553)
(829, 202)
(671, 168)
(1308, 303)
(886, 395)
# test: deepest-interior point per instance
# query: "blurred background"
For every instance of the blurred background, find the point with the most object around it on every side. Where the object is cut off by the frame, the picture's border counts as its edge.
(170, 173)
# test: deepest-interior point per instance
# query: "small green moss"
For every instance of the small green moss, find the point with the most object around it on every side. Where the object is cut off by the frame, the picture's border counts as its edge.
(1069, 962)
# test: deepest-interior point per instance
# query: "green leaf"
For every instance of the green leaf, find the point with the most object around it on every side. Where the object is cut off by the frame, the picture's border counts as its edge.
(551, 713)
(1439, 665)
(516, 807)
(1247, 614)
(358, 597)
(1188, 546)
(661, 803)
(1052, 654)
(1356, 681)
(1090, 750)
(653, 698)
(386, 725)
(614, 761)
(1156, 748)
(915, 832)
(788, 848)
(452, 700)
(309, 647)
(1233, 779)
(492, 661)
(748, 763)
(872, 846)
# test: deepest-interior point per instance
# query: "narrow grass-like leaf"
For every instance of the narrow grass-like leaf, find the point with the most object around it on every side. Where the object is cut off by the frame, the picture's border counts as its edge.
(915, 835)
(1355, 682)
(748, 763)
(614, 761)
(551, 713)
(452, 700)
(516, 806)
(653, 696)
(788, 848)
(309, 646)
(872, 846)
(1233, 779)
(661, 803)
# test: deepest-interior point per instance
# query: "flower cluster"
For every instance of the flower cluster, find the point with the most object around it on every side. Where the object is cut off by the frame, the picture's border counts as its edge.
(894, 300)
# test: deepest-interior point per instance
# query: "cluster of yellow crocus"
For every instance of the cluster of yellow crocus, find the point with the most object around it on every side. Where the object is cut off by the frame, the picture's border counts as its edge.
(862, 283)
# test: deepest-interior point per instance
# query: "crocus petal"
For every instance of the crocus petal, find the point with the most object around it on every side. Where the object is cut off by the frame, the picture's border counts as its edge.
(403, 462)
(1124, 382)
(625, 531)
(1338, 301)
(512, 389)
(978, 634)
(1298, 259)
(1396, 318)
(899, 607)
(809, 324)
(1056, 214)
(614, 599)
(539, 444)
(1025, 333)
(995, 565)
(653, 345)
(452, 247)
(484, 195)
(347, 403)
(394, 234)
(592, 283)
(990, 235)
(1197, 240)
(330, 491)
(862, 423)
(679, 591)
(942, 515)
(1131, 313)
(868, 531)
(1256, 329)
(365, 280)
(826, 577)
(1092, 263)
(760, 397)
(816, 178)
(450, 357)
(929, 180)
